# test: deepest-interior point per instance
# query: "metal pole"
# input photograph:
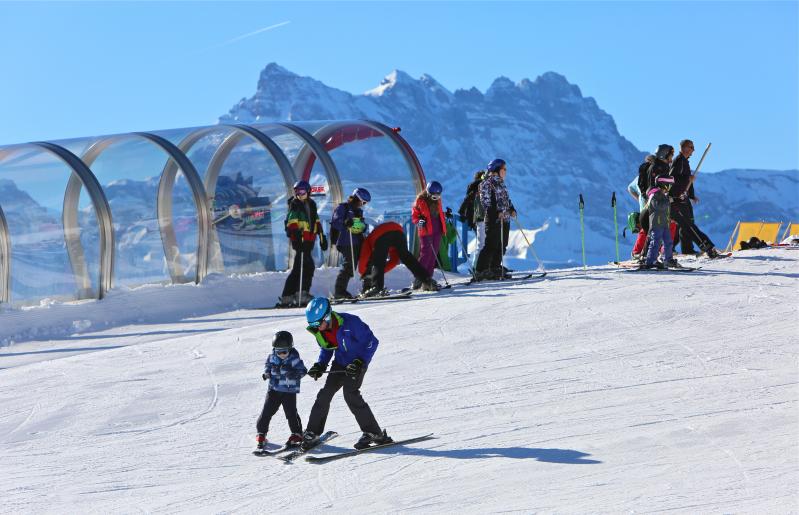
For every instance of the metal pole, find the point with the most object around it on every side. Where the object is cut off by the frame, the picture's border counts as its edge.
(615, 225)
(582, 228)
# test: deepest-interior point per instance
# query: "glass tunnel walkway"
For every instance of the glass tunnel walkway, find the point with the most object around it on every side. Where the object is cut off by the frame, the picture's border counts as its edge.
(79, 217)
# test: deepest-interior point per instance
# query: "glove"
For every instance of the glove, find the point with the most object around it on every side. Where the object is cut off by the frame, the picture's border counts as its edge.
(348, 222)
(357, 226)
(354, 368)
(317, 370)
(265, 376)
(448, 213)
(322, 242)
(421, 223)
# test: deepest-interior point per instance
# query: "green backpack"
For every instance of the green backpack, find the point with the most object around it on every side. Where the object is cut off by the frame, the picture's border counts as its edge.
(633, 223)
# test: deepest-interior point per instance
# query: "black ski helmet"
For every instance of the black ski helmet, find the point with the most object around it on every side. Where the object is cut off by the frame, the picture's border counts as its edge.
(664, 151)
(495, 165)
(282, 340)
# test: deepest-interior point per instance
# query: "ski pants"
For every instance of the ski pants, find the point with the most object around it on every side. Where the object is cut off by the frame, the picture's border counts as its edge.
(640, 242)
(347, 267)
(683, 213)
(396, 240)
(428, 252)
(657, 237)
(293, 280)
(496, 242)
(352, 396)
(274, 400)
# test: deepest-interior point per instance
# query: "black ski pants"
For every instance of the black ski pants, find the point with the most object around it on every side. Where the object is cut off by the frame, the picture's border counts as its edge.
(274, 400)
(304, 260)
(683, 213)
(496, 242)
(352, 396)
(385, 242)
(347, 267)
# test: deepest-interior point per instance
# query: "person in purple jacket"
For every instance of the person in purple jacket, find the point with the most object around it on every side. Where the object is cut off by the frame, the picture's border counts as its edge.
(347, 227)
(351, 344)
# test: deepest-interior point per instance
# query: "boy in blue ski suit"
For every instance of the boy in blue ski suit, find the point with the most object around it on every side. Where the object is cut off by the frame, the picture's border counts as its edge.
(351, 344)
(658, 207)
(283, 369)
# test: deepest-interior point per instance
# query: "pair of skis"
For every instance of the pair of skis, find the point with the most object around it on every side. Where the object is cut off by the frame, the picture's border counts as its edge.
(326, 437)
(402, 294)
(521, 277)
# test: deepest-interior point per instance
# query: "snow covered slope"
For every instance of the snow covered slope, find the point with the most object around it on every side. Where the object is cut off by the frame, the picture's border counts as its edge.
(557, 142)
(600, 392)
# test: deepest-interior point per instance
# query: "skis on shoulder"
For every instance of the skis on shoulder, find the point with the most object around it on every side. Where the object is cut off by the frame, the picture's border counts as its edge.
(290, 457)
(347, 454)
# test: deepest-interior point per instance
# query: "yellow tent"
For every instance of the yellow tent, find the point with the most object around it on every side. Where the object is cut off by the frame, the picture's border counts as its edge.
(766, 231)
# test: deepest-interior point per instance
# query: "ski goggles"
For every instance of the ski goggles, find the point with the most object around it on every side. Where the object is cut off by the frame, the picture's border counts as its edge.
(435, 197)
(300, 193)
(282, 352)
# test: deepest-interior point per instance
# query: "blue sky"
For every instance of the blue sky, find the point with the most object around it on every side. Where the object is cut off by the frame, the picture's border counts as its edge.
(726, 72)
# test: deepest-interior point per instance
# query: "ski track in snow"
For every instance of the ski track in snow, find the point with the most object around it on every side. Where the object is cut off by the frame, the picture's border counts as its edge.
(549, 396)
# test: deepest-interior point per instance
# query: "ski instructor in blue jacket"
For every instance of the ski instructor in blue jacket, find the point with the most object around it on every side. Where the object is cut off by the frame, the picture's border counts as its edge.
(351, 344)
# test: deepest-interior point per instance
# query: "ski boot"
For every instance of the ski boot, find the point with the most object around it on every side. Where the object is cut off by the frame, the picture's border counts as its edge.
(287, 301)
(374, 291)
(294, 440)
(417, 284)
(342, 295)
(430, 285)
(673, 263)
(372, 439)
(260, 442)
(309, 439)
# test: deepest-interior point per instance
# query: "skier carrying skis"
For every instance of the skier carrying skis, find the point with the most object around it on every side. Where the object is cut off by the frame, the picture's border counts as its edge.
(283, 369)
(302, 225)
(498, 210)
(659, 220)
(682, 195)
(428, 217)
(351, 344)
(347, 228)
(388, 241)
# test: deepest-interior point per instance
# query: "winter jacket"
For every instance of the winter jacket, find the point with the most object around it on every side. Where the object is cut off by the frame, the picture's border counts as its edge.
(648, 173)
(369, 243)
(355, 341)
(421, 211)
(633, 188)
(338, 223)
(285, 374)
(494, 199)
(471, 210)
(658, 209)
(683, 187)
(302, 220)
(443, 249)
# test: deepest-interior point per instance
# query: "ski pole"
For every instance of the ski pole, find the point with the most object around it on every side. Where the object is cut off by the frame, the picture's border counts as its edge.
(696, 170)
(465, 252)
(582, 228)
(615, 225)
(352, 256)
(529, 244)
(438, 261)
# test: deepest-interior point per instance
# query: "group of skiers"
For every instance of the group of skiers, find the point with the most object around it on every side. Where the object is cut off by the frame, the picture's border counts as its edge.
(375, 253)
(664, 189)
(284, 370)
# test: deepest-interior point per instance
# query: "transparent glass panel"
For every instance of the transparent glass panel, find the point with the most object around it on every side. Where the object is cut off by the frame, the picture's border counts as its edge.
(32, 185)
(129, 172)
(249, 204)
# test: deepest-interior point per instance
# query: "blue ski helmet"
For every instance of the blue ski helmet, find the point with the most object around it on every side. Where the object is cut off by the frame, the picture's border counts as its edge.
(362, 194)
(434, 188)
(302, 186)
(317, 310)
(496, 165)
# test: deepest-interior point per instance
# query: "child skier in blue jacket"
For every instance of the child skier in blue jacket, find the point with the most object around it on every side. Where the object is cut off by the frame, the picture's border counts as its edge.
(283, 369)
(351, 344)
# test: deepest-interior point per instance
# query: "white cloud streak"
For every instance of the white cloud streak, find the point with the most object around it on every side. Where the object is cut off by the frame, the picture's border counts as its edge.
(250, 34)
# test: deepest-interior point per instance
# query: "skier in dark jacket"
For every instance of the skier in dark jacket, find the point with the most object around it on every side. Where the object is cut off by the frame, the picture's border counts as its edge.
(347, 230)
(283, 369)
(302, 226)
(657, 168)
(498, 211)
(388, 241)
(682, 195)
(351, 344)
(657, 208)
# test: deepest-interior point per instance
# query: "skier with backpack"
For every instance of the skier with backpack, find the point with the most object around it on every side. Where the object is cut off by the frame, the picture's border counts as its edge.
(428, 216)
(283, 369)
(471, 211)
(350, 363)
(302, 226)
(498, 210)
(657, 208)
(347, 230)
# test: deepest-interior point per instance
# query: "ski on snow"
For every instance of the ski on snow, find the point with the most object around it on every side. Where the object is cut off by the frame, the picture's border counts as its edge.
(404, 294)
(338, 456)
(273, 452)
(288, 458)
(512, 278)
(667, 269)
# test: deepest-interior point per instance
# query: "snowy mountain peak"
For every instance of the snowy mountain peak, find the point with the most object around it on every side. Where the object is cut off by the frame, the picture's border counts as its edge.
(500, 87)
(390, 81)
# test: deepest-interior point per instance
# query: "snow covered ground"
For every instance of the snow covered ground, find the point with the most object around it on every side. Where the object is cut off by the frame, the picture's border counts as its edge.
(600, 392)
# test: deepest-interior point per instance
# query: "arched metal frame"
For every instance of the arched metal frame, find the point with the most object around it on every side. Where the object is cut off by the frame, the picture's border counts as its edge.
(164, 202)
(80, 177)
(237, 133)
